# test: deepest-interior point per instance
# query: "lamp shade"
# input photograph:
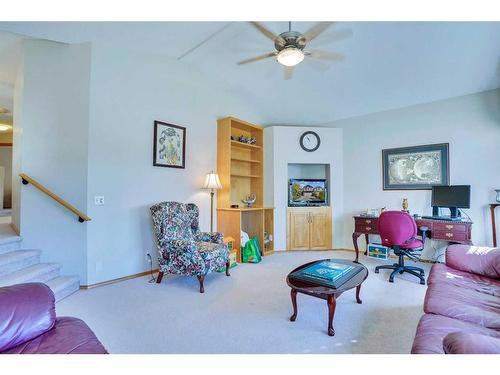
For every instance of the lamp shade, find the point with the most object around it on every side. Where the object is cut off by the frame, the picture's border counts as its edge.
(212, 181)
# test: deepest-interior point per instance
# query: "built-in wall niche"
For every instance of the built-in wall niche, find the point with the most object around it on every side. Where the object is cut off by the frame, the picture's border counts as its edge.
(310, 171)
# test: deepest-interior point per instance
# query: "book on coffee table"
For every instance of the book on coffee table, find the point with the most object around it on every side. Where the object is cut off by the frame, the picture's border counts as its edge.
(327, 273)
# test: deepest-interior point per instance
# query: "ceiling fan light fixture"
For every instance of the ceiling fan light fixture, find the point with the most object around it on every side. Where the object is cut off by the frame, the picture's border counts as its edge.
(290, 56)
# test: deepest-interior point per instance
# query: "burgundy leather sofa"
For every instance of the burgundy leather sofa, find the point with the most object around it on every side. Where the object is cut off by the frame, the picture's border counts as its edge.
(28, 324)
(462, 304)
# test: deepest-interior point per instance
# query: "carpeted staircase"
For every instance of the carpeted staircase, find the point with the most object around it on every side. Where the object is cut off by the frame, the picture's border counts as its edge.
(23, 265)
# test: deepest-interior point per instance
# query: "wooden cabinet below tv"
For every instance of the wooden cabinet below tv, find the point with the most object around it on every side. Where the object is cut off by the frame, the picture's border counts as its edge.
(309, 228)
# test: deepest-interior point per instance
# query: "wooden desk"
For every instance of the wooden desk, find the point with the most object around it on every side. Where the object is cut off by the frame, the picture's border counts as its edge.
(493, 225)
(451, 231)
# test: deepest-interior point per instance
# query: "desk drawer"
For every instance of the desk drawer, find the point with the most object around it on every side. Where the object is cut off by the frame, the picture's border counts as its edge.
(366, 228)
(425, 223)
(449, 235)
(450, 227)
(366, 221)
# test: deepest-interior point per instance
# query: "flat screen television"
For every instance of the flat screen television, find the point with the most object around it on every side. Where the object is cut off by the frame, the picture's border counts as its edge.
(452, 197)
(307, 192)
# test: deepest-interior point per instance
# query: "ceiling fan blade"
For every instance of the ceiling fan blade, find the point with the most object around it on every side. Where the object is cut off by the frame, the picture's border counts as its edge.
(317, 29)
(324, 55)
(257, 58)
(333, 37)
(264, 30)
(288, 72)
(317, 65)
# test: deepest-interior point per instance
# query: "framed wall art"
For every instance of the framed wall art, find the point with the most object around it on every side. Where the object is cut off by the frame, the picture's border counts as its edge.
(416, 167)
(169, 145)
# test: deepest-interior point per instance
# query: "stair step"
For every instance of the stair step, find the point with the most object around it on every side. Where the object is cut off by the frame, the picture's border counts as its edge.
(9, 240)
(41, 272)
(63, 286)
(10, 244)
(17, 260)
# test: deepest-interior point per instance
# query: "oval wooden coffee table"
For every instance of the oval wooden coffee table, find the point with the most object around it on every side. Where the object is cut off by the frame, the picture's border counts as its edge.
(323, 292)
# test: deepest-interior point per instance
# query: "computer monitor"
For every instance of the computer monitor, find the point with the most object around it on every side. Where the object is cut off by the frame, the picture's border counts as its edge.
(452, 197)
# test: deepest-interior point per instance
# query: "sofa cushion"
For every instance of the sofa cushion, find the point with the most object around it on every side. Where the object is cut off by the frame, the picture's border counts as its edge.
(464, 304)
(27, 311)
(470, 343)
(440, 273)
(69, 336)
(432, 329)
(483, 261)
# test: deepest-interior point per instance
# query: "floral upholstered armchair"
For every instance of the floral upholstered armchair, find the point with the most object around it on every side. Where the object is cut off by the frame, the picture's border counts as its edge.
(183, 248)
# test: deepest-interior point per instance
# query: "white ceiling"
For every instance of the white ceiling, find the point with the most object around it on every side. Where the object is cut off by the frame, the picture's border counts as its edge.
(388, 64)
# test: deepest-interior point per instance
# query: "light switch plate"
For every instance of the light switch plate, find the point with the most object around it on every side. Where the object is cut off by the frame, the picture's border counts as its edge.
(99, 200)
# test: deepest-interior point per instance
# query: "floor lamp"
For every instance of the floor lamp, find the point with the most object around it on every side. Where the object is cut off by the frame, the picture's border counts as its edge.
(212, 182)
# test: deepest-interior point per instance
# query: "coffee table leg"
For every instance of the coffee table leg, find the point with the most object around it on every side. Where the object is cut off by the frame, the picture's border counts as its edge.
(331, 312)
(358, 289)
(293, 294)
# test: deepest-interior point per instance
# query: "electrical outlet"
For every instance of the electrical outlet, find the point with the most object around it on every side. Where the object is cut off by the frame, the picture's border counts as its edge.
(99, 200)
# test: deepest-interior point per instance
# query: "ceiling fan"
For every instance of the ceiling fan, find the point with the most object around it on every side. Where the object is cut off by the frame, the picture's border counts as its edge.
(290, 46)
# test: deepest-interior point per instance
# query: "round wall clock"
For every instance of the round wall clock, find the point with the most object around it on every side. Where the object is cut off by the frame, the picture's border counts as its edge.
(310, 141)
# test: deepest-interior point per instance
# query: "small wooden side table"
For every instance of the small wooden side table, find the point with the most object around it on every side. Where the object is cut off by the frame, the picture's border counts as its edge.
(493, 225)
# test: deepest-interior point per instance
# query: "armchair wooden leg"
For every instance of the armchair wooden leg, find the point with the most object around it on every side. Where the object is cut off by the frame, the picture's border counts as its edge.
(159, 277)
(228, 264)
(201, 278)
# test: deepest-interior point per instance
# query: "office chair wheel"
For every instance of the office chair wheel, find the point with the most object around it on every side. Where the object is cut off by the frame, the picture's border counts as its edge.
(376, 270)
(422, 282)
(391, 280)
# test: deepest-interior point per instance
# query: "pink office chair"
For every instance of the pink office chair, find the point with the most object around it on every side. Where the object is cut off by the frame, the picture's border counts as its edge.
(398, 231)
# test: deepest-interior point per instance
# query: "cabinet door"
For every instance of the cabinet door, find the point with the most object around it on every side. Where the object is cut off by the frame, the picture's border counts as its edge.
(298, 230)
(321, 231)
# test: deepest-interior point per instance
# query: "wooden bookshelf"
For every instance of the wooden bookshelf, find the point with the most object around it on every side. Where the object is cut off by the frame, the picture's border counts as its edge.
(241, 170)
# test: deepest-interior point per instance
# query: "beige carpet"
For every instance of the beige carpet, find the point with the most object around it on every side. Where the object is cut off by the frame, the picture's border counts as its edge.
(249, 312)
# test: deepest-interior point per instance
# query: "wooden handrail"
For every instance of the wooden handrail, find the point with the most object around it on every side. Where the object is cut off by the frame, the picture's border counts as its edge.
(28, 180)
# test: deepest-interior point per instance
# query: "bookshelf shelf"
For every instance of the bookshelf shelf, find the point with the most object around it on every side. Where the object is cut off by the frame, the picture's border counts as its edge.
(245, 175)
(244, 145)
(245, 160)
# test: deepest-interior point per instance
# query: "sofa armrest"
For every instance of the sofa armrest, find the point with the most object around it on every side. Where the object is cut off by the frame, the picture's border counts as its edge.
(26, 311)
(214, 237)
(483, 261)
(470, 343)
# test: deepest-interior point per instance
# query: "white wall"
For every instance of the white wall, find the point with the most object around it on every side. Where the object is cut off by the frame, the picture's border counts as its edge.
(17, 112)
(470, 124)
(6, 96)
(281, 148)
(50, 144)
(6, 162)
(129, 91)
